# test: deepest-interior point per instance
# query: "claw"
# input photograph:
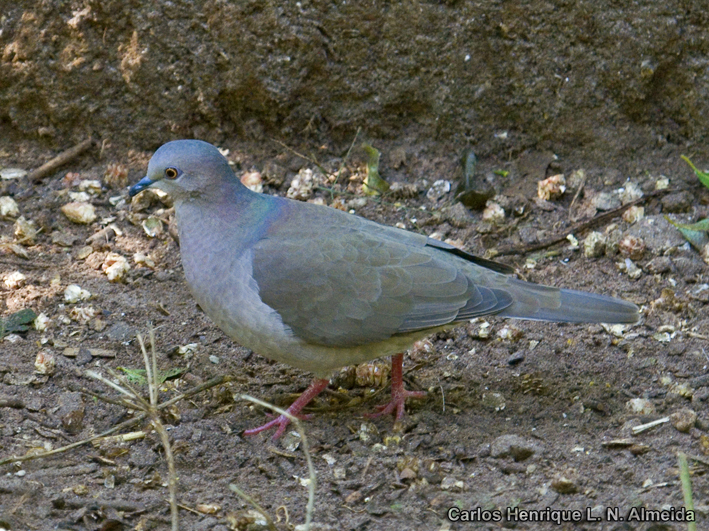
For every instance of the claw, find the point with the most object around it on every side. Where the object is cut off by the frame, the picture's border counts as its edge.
(398, 393)
(315, 388)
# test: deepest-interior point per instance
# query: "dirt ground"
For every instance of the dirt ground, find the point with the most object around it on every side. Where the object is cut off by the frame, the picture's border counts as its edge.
(519, 415)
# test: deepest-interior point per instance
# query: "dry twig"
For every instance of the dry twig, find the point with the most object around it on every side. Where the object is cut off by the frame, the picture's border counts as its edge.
(306, 450)
(60, 160)
(578, 227)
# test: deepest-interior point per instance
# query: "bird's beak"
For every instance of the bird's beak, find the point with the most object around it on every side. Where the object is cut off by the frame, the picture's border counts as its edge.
(141, 185)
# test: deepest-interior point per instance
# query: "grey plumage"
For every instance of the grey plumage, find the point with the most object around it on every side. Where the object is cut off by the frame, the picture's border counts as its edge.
(318, 288)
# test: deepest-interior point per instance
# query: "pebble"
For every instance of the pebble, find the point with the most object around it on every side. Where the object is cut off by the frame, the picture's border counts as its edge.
(552, 187)
(458, 216)
(120, 331)
(143, 201)
(514, 446)
(115, 266)
(494, 401)
(301, 187)
(493, 213)
(75, 293)
(633, 214)
(91, 186)
(662, 183)
(152, 226)
(63, 239)
(25, 231)
(8, 207)
(640, 406)
(630, 268)
(45, 363)
(659, 265)
(605, 201)
(683, 420)
(71, 412)
(12, 173)
(677, 202)
(15, 280)
(80, 212)
(451, 483)
(564, 485)
(630, 192)
(368, 433)
(400, 190)
(253, 181)
(594, 246)
(632, 247)
(274, 174)
(438, 190)
(517, 357)
(41, 322)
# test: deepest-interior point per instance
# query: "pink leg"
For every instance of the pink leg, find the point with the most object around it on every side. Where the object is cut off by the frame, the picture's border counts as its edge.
(398, 393)
(316, 387)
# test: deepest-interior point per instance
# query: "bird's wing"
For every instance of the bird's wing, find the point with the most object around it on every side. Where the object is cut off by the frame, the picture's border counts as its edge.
(339, 280)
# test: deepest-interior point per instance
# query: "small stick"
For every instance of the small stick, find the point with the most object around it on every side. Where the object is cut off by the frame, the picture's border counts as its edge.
(218, 380)
(306, 450)
(60, 160)
(254, 504)
(578, 227)
(643, 427)
(12, 402)
(578, 193)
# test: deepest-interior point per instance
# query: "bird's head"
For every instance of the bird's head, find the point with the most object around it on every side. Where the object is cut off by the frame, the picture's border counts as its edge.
(186, 169)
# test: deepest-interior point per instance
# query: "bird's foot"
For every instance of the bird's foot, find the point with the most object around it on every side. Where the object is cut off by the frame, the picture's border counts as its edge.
(398, 400)
(398, 393)
(282, 421)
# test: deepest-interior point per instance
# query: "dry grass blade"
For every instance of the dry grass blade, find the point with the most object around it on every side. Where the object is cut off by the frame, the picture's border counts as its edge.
(347, 156)
(248, 499)
(30, 457)
(123, 425)
(151, 411)
(306, 450)
(686, 488)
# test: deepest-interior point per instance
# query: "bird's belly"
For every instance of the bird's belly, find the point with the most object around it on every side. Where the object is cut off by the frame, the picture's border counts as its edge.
(229, 295)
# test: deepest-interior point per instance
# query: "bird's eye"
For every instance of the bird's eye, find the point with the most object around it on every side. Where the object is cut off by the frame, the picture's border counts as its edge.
(171, 173)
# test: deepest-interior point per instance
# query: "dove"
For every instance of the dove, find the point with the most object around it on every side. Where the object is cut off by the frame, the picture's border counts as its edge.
(319, 289)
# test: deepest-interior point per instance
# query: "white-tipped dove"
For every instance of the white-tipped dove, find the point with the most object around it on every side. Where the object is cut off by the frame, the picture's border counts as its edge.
(319, 289)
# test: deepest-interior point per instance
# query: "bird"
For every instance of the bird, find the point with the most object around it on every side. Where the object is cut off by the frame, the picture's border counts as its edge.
(319, 289)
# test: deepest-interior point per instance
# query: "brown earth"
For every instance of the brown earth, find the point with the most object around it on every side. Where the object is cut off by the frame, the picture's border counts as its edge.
(535, 90)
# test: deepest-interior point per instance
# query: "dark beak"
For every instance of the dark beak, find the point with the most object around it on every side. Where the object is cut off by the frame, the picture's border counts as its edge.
(141, 185)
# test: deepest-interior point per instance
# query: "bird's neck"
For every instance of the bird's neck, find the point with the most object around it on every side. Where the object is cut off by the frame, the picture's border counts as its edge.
(233, 218)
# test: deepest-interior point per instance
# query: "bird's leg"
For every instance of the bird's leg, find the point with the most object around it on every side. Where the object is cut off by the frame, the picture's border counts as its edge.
(317, 386)
(398, 393)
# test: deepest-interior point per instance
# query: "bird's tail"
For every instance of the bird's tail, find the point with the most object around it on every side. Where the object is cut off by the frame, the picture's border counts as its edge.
(543, 303)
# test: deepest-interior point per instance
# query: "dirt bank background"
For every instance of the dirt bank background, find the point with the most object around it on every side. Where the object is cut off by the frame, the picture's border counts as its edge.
(617, 89)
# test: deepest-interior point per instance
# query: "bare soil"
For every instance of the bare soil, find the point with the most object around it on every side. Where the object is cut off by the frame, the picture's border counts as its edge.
(564, 390)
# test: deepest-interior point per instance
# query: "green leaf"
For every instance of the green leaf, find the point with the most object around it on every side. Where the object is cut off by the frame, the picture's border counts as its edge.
(702, 176)
(694, 233)
(17, 322)
(138, 375)
(373, 184)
